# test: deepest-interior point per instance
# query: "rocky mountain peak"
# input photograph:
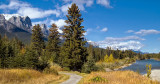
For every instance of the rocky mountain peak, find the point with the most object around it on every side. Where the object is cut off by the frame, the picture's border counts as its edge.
(8, 16)
(6, 24)
(2, 18)
(21, 22)
(44, 29)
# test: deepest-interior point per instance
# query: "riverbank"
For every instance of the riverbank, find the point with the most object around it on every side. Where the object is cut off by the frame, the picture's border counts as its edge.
(116, 65)
(156, 59)
(125, 65)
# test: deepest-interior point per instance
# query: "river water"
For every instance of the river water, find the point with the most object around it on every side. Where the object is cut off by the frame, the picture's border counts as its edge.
(140, 65)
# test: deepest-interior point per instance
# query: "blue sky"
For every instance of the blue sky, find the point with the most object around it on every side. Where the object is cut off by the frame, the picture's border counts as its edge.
(122, 24)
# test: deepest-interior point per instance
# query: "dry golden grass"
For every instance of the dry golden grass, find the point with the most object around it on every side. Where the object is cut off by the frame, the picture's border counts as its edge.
(25, 76)
(118, 77)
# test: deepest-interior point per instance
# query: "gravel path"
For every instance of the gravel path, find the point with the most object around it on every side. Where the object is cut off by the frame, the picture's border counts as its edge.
(74, 78)
(155, 75)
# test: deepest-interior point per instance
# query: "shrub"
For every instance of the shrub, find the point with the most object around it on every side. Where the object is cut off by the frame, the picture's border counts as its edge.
(66, 68)
(98, 79)
(89, 66)
(148, 69)
(56, 67)
(50, 71)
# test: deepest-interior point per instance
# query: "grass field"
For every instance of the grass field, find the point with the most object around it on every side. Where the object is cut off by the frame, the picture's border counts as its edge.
(116, 77)
(26, 76)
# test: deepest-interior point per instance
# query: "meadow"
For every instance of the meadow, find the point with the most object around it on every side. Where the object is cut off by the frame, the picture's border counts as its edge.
(116, 77)
(29, 76)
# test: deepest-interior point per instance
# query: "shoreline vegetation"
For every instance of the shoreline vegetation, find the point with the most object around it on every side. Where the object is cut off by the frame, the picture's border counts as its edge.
(116, 64)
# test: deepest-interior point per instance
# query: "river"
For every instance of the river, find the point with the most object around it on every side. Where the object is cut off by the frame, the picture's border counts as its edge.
(140, 66)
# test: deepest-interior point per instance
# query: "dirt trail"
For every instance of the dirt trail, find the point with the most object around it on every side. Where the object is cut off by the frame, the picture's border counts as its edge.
(74, 78)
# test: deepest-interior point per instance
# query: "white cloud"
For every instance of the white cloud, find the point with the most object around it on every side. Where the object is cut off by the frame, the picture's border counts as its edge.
(80, 2)
(93, 43)
(64, 8)
(130, 31)
(47, 22)
(123, 43)
(60, 23)
(87, 31)
(14, 4)
(104, 29)
(108, 39)
(127, 45)
(25, 9)
(88, 3)
(34, 13)
(105, 3)
(147, 32)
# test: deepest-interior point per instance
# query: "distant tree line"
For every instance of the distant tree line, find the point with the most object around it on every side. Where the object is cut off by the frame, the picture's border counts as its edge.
(71, 54)
(149, 56)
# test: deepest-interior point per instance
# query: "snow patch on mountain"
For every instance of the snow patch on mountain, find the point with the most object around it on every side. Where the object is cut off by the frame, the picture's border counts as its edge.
(8, 16)
(92, 43)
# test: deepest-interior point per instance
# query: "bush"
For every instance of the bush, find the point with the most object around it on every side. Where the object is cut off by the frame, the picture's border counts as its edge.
(66, 68)
(56, 67)
(148, 69)
(89, 66)
(50, 71)
(100, 68)
(98, 79)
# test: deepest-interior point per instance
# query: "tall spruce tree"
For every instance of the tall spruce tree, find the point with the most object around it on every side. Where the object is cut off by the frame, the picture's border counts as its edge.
(73, 51)
(89, 66)
(1, 52)
(37, 39)
(53, 47)
(8, 53)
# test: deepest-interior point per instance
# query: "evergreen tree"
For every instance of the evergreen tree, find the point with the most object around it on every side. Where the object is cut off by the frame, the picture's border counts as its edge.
(7, 53)
(91, 52)
(98, 54)
(31, 58)
(18, 49)
(1, 52)
(53, 47)
(73, 51)
(37, 39)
